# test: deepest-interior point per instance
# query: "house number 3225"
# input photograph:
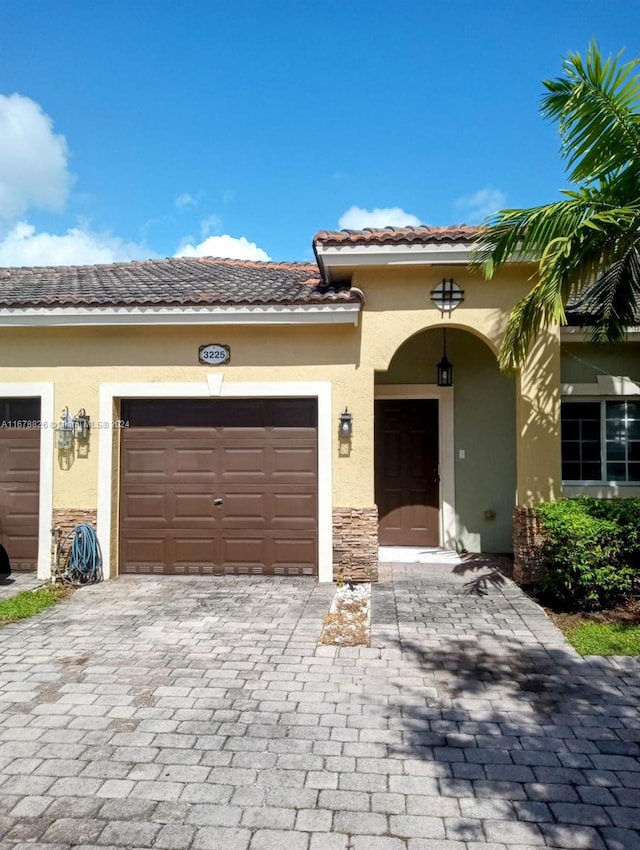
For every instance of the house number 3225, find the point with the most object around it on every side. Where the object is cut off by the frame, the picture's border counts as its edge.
(214, 354)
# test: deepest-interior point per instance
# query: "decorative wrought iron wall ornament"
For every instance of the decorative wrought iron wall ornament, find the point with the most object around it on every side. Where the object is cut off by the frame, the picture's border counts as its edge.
(447, 295)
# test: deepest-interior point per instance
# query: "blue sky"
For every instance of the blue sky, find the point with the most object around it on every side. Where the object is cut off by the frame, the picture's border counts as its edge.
(139, 128)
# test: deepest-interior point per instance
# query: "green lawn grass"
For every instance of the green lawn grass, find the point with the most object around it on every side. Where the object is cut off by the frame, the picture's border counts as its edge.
(30, 602)
(604, 638)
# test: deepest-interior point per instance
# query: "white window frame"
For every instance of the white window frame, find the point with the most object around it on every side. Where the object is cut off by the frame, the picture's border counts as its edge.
(602, 401)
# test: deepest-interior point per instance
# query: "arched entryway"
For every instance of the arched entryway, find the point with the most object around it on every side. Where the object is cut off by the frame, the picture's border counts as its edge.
(445, 458)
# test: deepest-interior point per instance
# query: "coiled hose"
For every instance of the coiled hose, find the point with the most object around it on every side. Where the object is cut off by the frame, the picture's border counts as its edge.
(79, 559)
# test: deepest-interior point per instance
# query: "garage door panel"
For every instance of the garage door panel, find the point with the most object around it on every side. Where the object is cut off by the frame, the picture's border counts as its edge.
(146, 551)
(24, 492)
(137, 506)
(246, 453)
(170, 465)
(193, 506)
(20, 482)
(21, 463)
(193, 460)
(243, 551)
(144, 460)
(295, 506)
(244, 460)
(21, 543)
(193, 551)
(294, 460)
(150, 552)
(288, 548)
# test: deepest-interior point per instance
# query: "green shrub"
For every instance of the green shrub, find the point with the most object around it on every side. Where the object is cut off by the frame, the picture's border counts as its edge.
(626, 513)
(586, 551)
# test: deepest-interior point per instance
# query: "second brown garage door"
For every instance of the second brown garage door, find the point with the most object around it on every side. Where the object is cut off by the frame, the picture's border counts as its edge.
(219, 487)
(20, 480)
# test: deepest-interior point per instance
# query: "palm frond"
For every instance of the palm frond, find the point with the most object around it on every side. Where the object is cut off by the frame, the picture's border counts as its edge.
(572, 241)
(596, 105)
(611, 303)
(586, 244)
(541, 307)
(541, 233)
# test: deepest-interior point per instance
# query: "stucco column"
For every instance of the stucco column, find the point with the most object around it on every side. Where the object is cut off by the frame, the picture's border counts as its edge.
(538, 422)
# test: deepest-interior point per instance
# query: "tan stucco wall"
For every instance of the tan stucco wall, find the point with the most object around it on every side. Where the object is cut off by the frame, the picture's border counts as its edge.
(538, 422)
(582, 362)
(397, 307)
(78, 360)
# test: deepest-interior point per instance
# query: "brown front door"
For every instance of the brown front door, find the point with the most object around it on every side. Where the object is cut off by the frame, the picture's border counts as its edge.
(406, 472)
(219, 487)
(20, 480)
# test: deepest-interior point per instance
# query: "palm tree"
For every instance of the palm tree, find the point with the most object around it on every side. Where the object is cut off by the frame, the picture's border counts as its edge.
(587, 245)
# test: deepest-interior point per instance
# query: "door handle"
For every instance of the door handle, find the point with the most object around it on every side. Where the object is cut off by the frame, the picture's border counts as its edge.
(218, 502)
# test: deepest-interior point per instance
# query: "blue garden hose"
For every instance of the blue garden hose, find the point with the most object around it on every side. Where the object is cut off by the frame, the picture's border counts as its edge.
(79, 557)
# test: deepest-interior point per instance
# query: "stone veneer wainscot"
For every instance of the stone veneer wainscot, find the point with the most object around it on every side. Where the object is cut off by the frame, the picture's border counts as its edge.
(64, 521)
(527, 539)
(355, 544)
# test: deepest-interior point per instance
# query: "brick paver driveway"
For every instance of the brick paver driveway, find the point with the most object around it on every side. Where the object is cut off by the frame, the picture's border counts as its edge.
(199, 713)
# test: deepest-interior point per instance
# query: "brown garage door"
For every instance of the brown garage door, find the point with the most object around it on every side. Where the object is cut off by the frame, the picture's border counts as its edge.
(20, 480)
(212, 487)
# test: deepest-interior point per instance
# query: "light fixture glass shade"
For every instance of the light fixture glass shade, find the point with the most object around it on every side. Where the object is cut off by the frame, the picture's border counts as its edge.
(445, 372)
(82, 424)
(64, 431)
(346, 424)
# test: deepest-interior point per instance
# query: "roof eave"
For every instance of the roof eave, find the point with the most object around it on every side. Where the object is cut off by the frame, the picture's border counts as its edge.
(581, 333)
(334, 259)
(241, 314)
(337, 260)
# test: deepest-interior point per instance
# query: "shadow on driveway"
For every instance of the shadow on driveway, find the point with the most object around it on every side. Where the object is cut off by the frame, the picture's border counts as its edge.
(521, 739)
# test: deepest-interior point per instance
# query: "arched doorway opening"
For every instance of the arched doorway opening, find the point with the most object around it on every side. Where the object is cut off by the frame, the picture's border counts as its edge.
(445, 458)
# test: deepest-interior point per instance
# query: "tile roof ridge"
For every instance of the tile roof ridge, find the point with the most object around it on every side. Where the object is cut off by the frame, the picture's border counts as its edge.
(121, 265)
(366, 233)
(289, 265)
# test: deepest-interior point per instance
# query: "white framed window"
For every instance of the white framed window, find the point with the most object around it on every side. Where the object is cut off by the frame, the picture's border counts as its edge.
(601, 440)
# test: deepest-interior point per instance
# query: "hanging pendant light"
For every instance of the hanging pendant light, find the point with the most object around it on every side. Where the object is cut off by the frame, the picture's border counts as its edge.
(444, 367)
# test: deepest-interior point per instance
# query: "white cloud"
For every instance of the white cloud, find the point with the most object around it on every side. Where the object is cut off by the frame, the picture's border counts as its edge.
(356, 218)
(480, 204)
(184, 201)
(33, 159)
(23, 246)
(208, 224)
(229, 247)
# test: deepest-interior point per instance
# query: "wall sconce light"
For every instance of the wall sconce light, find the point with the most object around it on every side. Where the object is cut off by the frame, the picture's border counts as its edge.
(72, 428)
(444, 367)
(64, 431)
(346, 425)
(82, 427)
